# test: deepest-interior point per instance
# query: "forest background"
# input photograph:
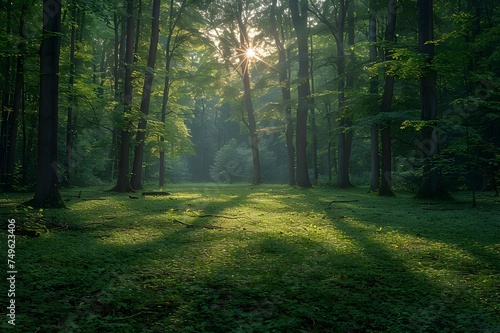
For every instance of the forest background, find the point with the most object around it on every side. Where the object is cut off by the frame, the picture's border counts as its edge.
(391, 95)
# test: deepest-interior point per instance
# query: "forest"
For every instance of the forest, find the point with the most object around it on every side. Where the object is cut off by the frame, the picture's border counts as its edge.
(250, 166)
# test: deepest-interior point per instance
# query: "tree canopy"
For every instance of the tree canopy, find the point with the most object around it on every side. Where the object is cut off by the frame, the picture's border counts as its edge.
(152, 92)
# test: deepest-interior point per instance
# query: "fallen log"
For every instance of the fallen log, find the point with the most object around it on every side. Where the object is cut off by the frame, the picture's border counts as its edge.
(156, 193)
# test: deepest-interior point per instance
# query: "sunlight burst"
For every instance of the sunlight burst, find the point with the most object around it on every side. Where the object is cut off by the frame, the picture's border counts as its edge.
(250, 53)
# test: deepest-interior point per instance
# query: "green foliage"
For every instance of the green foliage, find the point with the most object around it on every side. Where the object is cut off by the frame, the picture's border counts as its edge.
(233, 163)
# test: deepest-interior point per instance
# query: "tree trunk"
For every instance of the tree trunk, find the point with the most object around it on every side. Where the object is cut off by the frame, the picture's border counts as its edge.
(374, 153)
(6, 96)
(432, 185)
(314, 130)
(386, 180)
(172, 23)
(112, 156)
(136, 180)
(16, 106)
(283, 65)
(123, 182)
(247, 94)
(69, 123)
(47, 193)
(299, 18)
(345, 137)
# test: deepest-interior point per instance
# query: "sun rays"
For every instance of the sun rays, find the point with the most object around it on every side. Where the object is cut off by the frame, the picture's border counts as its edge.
(249, 56)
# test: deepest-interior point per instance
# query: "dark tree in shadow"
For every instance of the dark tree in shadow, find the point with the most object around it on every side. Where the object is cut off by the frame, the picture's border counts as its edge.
(47, 192)
(432, 185)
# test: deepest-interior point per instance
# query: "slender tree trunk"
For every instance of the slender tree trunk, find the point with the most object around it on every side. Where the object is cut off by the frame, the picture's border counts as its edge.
(166, 92)
(386, 180)
(72, 100)
(314, 130)
(47, 193)
(6, 96)
(348, 132)
(374, 153)
(138, 31)
(16, 107)
(247, 94)
(283, 65)
(432, 185)
(136, 180)
(344, 139)
(328, 109)
(299, 18)
(123, 182)
(169, 50)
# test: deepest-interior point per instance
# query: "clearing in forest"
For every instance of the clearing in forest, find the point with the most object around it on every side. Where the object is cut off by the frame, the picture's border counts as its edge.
(243, 258)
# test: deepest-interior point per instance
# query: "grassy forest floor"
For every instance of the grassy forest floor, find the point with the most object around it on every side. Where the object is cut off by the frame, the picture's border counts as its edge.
(242, 258)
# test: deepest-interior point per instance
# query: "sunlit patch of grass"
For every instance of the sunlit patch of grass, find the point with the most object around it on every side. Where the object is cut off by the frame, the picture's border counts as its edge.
(244, 258)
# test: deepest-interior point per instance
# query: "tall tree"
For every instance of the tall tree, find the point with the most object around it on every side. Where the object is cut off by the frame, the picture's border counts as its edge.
(174, 16)
(345, 135)
(47, 193)
(277, 30)
(432, 185)
(136, 180)
(123, 181)
(374, 152)
(299, 18)
(336, 26)
(390, 32)
(17, 102)
(6, 96)
(72, 100)
(314, 129)
(245, 60)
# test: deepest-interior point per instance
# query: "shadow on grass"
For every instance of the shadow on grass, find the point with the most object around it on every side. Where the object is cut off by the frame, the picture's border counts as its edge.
(137, 270)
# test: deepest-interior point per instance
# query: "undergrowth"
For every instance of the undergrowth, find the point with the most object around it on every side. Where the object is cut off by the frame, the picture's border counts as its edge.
(242, 258)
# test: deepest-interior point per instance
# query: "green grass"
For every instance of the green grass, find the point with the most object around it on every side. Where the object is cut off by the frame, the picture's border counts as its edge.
(242, 258)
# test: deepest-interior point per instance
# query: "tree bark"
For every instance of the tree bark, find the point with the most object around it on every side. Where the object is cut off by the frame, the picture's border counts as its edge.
(136, 180)
(283, 65)
(72, 72)
(16, 106)
(314, 130)
(386, 180)
(123, 181)
(47, 192)
(374, 152)
(6, 96)
(247, 94)
(432, 180)
(299, 18)
(169, 50)
(345, 135)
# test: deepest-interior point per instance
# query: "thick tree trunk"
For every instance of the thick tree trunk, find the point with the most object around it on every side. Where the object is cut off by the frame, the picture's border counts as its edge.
(432, 184)
(47, 193)
(123, 182)
(136, 180)
(299, 18)
(283, 66)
